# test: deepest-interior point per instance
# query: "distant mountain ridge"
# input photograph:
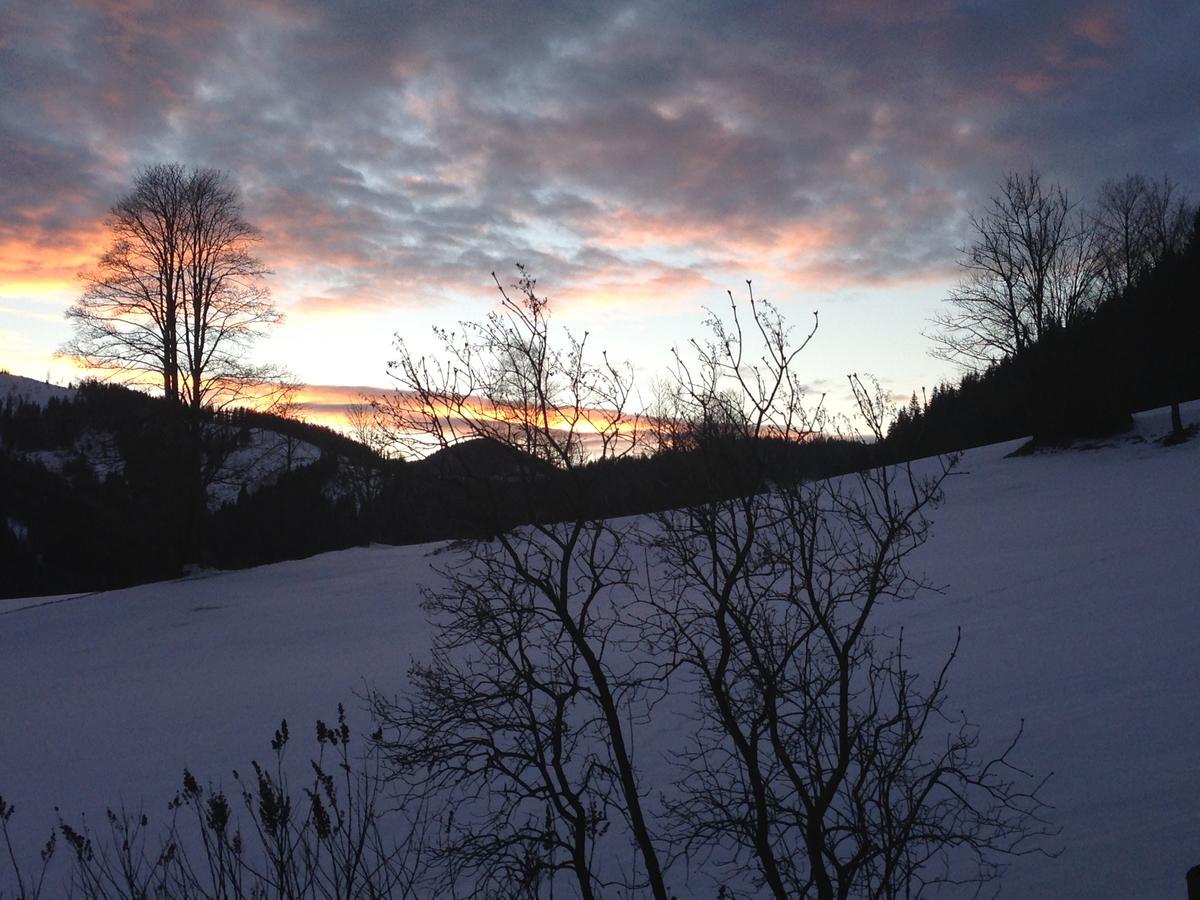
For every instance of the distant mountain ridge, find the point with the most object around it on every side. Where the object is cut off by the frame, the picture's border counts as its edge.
(483, 457)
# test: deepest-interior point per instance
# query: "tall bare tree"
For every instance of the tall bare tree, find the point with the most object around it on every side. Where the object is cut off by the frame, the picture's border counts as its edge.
(1122, 223)
(178, 299)
(127, 319)
(821, 763)
(1170, 219)
(520, 726)
(1139, 222)
(1031, 266)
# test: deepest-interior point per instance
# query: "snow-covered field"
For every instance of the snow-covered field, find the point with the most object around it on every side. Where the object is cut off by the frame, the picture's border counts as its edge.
(1075, 578)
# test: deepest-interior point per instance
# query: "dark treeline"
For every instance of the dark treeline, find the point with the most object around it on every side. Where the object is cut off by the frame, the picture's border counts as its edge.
(93, 497)
(1134, 351)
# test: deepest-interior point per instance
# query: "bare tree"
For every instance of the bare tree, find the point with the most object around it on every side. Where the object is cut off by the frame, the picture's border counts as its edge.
(517, 727)
(820, 759)
(1031, 266)
(178, 298)
(366, 474)
(1122, 222)
(368, 429)
(1170, 215)
(1139, 223)
(127, 319)
(520, 726)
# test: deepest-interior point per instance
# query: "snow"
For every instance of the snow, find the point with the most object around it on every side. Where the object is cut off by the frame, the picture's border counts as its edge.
(1074, 577)
(266, 456)
(30, 390)
(99, 450)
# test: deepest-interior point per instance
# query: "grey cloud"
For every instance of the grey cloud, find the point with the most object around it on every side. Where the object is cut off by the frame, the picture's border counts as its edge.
(382, 142)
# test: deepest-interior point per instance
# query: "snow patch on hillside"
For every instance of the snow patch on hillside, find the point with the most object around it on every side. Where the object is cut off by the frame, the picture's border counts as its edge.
(19, 388)
(266, 456)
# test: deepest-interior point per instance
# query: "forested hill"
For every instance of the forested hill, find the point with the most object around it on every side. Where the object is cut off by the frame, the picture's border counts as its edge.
(97, 487)
(1137, 349)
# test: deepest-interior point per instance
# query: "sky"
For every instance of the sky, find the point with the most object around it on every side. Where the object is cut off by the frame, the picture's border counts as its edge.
(641, 159)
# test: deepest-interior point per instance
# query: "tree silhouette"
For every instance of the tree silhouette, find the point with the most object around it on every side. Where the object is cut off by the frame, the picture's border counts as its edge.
(527, 699)
(821, 764)
(1139, 224)
(1032, 266)
(178, 298)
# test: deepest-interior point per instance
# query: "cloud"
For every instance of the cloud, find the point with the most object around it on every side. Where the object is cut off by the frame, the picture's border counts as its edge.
(395, 154)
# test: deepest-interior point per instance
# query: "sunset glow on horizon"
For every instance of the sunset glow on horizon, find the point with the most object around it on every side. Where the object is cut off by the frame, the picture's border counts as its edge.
(642, 159)
(404, 414)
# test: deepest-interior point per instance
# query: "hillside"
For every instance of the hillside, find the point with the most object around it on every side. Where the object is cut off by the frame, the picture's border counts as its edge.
(1073, 576)
(99, 488)
(269, 447)
(103, 487)
(17, 388)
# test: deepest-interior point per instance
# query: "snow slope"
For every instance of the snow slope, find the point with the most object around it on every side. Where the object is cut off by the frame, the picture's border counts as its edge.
(30, 390)
(1074, 576)
(265, 458)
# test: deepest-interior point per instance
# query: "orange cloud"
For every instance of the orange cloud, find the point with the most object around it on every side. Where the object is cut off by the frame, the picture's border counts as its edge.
(648, 286)
(33, 261)
(411, 418)
(628, 229)
(378, 294)
(329, 404)
(1097, 26)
